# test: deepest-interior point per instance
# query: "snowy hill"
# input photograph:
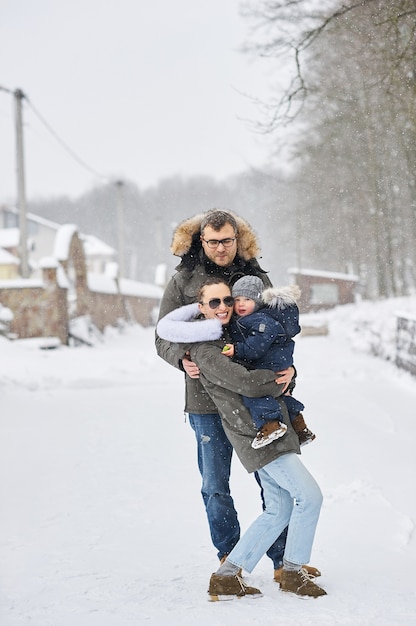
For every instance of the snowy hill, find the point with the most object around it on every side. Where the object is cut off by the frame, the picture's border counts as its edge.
(102, 522)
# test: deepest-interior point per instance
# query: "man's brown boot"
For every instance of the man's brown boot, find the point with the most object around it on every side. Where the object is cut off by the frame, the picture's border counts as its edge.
(300, 584)
(313, 572)
(229, 588)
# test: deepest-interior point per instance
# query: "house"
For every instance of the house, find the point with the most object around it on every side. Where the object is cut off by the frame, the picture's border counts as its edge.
(41, 235)
(322, 289)
(74, 277)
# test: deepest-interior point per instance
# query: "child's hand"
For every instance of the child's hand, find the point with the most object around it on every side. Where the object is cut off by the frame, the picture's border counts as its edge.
(228, 349)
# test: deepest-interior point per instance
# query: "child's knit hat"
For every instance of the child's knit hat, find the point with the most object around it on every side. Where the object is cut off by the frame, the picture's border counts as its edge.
(249, 287)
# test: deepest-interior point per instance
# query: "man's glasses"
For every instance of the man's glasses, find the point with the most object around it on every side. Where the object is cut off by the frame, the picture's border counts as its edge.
(214, 303)
(214, 243)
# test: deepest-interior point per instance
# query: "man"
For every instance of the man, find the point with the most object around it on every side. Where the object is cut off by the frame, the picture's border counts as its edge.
(222, 244)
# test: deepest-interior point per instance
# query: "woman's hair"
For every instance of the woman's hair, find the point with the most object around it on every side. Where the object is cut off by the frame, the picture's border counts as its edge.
(212, 280)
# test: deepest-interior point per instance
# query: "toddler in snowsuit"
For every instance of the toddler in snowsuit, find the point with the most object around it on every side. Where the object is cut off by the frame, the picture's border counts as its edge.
(261, 332)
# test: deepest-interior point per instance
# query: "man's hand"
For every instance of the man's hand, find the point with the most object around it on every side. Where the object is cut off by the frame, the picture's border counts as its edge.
(284, 377)
(191, 368)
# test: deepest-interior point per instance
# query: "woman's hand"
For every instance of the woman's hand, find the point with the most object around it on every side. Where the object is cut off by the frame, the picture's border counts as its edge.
(284, 377)
(190, 367)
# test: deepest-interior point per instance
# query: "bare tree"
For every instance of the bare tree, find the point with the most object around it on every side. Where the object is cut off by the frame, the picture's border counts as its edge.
(352, 93)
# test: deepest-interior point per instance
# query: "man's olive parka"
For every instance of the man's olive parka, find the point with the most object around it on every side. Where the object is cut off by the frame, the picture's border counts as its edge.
(184, 285)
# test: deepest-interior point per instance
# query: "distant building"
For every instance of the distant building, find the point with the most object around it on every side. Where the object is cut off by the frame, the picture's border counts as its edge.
(74, 282)
(323, 290)
(68, 302)
(41, 241)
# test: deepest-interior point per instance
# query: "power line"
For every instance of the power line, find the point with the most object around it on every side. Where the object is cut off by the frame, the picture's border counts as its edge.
(64, 144)
(5, 89)
(55, 135)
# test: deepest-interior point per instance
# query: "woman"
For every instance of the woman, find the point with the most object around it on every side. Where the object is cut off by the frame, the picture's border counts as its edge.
(291, 495)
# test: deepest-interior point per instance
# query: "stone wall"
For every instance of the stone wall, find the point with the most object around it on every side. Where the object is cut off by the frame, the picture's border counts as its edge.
(38, 310)
(140, 309)
(105, 309)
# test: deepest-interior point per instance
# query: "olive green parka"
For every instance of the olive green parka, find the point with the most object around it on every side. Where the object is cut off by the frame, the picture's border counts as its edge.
(184, 285)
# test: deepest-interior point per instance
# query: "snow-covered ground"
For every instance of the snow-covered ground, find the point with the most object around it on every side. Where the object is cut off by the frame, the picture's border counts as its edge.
(101, 520)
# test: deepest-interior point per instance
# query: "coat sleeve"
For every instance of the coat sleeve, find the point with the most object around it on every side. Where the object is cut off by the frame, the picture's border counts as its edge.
(180, 326)
(218, 370)
(172, 299)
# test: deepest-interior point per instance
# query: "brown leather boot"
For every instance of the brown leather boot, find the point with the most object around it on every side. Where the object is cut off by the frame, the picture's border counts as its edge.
(300, 584)
(304, 434)
(229, 588)
(271, 431)
(313, 572)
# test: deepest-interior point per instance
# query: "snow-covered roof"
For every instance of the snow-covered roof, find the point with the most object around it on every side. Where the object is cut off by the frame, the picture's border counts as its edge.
(323, 274)
(6, 258)
(63, 241)
(143, 290)
(101, 283)
(48, 262)
(9, 237)
(92, 245)
(21, 283)
(95, 247)
(34, 218)
(111, 269)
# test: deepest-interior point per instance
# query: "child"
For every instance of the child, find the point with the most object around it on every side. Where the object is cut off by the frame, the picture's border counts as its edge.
(262, 338)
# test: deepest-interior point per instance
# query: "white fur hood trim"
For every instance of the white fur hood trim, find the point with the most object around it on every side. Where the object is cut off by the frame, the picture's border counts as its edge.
(180, 326)
(281, 297)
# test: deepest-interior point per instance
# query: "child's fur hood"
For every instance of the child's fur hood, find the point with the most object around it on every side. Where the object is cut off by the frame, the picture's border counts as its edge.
(281, 297)
(180, 326)
(186, 237)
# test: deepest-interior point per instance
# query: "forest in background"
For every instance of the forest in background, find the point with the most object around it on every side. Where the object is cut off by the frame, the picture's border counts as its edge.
(346, 124)
(150, 216)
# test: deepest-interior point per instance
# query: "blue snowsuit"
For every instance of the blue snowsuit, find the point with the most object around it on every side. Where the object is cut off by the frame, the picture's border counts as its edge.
(263, 340)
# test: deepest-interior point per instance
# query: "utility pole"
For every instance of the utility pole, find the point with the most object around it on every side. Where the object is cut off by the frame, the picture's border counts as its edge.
(21, 192)
(120, 222)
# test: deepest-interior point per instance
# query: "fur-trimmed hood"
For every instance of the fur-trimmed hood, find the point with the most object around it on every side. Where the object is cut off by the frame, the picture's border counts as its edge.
(181, 326)
(281, 297)
(178, 326)
(186, 241)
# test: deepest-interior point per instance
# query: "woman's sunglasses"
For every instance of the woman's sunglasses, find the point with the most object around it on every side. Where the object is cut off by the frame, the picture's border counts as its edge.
(214, 303)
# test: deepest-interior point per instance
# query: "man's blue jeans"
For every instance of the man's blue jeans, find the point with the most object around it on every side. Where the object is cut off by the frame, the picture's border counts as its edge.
(292, 497)
(214, 462)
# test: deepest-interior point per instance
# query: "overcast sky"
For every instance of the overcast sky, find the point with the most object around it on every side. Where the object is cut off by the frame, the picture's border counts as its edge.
(137, 89)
